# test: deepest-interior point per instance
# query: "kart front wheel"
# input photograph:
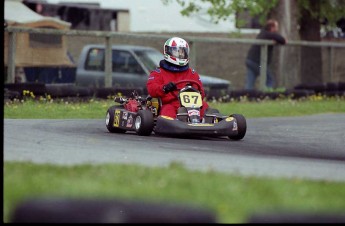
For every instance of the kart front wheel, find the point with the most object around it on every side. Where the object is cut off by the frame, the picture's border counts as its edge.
(144, 123)
(110, 118)
(241, 127)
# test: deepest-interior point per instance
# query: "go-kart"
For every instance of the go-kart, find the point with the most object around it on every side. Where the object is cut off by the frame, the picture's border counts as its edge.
(142, 115)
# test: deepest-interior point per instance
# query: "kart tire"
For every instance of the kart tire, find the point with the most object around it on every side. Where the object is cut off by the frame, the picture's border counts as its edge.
(241, 126)
(144, 123)
(109, 120)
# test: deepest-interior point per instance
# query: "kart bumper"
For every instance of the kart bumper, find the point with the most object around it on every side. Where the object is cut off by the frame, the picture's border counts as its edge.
(226, 127)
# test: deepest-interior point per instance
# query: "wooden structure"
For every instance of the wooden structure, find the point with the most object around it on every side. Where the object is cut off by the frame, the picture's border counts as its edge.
(33, 50)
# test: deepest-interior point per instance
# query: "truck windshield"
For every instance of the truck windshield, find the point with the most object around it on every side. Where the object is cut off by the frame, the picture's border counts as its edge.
(150, 58)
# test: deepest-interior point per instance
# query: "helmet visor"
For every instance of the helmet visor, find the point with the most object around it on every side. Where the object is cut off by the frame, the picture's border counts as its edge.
(177, 51)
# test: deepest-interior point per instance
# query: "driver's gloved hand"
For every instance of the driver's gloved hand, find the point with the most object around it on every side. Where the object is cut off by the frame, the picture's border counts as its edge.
(169, 87)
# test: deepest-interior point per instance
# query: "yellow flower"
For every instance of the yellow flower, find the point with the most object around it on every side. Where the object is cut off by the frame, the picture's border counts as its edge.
(25, 92)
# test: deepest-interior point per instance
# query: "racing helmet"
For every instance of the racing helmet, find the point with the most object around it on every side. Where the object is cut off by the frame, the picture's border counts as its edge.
(176, 51)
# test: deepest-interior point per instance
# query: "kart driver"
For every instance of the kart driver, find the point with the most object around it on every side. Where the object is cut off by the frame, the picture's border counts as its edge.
(174, 68)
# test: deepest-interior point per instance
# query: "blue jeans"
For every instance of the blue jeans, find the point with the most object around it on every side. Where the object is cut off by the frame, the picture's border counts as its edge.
(253, 71)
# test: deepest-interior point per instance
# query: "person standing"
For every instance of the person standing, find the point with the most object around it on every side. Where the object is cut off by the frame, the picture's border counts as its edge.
(269, 32)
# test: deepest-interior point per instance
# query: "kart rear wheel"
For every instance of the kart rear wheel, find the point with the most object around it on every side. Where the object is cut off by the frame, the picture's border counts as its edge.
(109, 120)
(241, 127)
(144, 123)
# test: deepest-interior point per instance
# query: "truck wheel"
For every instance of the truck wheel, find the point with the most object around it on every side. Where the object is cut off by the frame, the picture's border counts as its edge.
(144, 123)
(241, 126)
(109, 120)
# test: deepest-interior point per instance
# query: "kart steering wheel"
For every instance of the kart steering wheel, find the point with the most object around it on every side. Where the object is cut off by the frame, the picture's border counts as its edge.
(185, 81)
(188, 81)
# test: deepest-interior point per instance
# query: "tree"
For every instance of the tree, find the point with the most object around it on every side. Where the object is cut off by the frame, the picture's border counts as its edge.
(311, 14)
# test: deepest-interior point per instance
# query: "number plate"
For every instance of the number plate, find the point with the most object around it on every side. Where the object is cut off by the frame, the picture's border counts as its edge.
(190, 99)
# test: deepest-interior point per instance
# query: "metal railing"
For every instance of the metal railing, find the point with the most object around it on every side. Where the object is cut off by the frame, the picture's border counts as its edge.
(107, 36)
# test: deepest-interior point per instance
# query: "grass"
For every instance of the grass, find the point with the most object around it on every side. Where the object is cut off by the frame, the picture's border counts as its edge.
(96, 109)
(232, 198)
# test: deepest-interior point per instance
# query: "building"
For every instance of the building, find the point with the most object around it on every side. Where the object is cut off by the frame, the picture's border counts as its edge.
(129, 16)
(34, 50)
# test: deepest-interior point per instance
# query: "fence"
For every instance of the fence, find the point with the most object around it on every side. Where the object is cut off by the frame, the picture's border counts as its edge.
(218, 57)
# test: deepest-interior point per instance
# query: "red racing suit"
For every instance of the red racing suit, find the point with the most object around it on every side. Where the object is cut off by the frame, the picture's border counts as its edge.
(160, 77)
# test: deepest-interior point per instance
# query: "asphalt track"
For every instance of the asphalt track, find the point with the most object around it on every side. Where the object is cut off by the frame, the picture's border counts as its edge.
(308, 147)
